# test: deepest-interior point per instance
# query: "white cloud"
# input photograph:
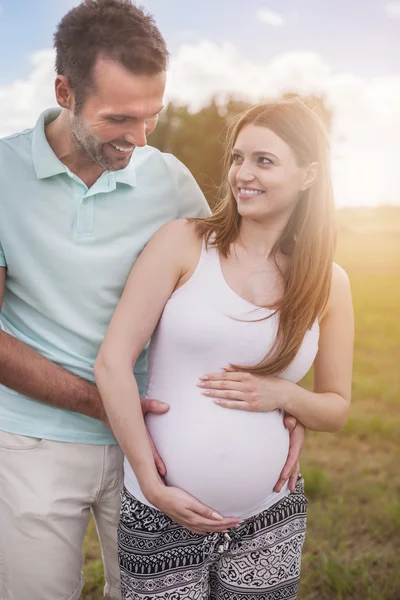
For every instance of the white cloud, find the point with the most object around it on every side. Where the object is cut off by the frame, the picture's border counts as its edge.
(393, 10)
(270, 17)
(200, 71)
(21, 100)
(366, 127)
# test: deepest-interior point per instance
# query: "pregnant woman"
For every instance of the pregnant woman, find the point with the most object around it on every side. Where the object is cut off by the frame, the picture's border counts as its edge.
(250, 296)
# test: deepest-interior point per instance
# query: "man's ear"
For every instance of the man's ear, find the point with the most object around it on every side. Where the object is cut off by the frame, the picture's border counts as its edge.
(310, 176)
(64, 94)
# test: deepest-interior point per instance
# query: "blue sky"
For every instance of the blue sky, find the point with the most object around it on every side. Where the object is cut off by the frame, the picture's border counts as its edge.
(350, 35)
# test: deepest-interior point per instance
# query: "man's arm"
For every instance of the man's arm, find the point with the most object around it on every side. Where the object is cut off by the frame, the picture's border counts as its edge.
(29, 373)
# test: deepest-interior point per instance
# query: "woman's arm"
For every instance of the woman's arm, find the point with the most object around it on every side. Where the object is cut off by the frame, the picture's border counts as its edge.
(326, 407)
(147, 290)
(149, 286)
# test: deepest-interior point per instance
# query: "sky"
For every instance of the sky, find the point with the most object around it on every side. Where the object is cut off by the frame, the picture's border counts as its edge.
(348, 50)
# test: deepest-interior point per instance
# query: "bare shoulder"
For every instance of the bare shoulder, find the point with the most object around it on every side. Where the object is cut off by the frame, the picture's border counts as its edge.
(177, 232)
(177, 242)
(340, 292)
(340, 280)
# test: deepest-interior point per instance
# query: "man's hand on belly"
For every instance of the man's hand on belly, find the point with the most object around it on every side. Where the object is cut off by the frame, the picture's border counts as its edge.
(158, 408)
(291, 468)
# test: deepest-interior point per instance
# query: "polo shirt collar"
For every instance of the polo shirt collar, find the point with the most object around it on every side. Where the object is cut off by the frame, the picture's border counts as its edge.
(46, 163)
(127, 175)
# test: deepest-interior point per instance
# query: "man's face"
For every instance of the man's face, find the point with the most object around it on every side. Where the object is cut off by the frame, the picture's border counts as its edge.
(117, 114)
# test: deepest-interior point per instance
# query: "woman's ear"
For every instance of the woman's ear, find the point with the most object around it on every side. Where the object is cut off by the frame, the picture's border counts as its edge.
(310, 176)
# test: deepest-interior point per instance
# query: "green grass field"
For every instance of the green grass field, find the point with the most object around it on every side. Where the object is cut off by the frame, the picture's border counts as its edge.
(352, 478)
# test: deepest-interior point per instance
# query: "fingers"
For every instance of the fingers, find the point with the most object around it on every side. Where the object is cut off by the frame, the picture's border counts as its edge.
(284, 476)
(208, 519)
(297, 440)
(292, 461)
(226, 395)
(192, 514)
(287, 470)
(279, 484)
(227, 375)
(204, 511)
(153, 406)
(206, 526)
(290, 422)
(239, 386)
(294, 476)
(203, 525)
(161, 468)
(235, 404)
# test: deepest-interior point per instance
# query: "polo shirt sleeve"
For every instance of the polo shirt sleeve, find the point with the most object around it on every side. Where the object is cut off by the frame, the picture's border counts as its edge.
(2, 257)
(192, 202)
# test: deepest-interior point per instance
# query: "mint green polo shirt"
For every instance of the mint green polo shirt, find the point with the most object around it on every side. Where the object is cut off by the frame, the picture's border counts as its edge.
(68, 251)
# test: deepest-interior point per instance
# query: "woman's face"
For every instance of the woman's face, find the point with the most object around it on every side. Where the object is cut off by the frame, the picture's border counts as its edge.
(264, 176)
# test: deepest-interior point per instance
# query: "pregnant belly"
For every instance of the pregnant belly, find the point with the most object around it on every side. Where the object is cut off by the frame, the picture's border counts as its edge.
(230, 460)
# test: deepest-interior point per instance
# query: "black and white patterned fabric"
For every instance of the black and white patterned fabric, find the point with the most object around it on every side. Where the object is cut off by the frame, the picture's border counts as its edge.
(259, 560)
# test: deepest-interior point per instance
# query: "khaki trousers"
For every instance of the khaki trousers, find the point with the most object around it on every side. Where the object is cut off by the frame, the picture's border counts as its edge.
(47, 491)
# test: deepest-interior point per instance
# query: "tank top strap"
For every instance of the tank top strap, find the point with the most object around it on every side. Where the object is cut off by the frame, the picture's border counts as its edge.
(207, 273)
(211, 261)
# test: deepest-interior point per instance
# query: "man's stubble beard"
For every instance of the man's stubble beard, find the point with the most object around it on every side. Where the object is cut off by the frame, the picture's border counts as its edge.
(84, 141)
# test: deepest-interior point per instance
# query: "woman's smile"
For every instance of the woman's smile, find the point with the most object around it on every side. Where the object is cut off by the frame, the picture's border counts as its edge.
(246, 193)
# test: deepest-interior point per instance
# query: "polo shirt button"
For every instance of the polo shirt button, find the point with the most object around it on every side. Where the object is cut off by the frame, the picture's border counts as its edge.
(85, 201)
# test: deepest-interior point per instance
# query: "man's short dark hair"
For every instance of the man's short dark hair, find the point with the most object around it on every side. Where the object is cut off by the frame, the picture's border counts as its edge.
(112, 29)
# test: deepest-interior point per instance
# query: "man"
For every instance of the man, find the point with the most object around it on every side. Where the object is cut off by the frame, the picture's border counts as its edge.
(81, 194)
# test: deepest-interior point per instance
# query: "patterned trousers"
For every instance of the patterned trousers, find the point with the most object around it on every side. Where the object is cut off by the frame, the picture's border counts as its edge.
(258, 560)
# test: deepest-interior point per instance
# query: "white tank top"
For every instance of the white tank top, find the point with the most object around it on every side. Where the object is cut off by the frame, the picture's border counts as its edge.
(229, 459)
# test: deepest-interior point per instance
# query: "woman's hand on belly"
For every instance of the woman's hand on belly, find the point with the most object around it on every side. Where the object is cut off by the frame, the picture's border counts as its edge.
(186, 510)
(245, 391)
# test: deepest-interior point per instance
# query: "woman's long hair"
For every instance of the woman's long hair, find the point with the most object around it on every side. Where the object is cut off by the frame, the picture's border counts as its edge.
(309, 236)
